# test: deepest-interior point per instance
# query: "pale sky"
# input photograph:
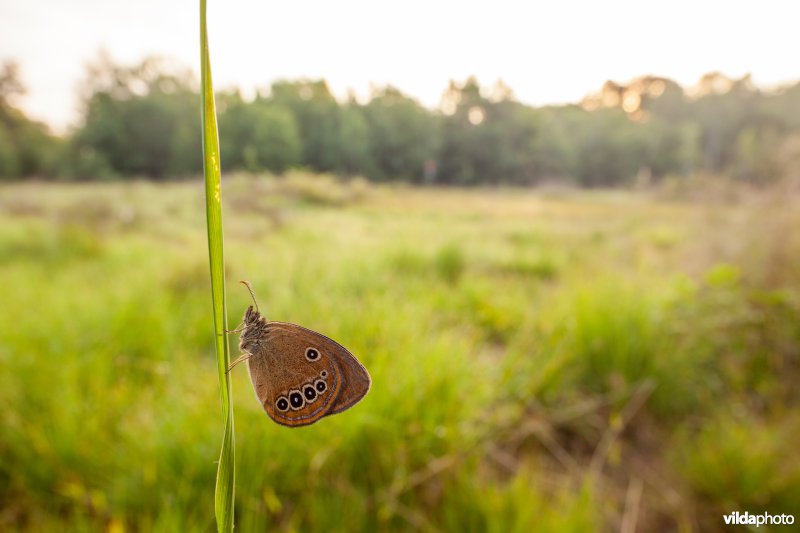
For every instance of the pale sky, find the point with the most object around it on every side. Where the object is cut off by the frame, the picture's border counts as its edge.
(547, 52)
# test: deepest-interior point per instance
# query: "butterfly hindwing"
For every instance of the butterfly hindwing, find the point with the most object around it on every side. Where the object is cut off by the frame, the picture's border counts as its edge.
(355, 381)
(300, 376)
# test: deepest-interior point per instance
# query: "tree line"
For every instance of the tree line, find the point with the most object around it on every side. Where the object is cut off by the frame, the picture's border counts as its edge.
(144, 121)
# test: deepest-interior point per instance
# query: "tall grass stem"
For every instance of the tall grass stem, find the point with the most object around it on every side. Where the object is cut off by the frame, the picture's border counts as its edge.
(224, 491)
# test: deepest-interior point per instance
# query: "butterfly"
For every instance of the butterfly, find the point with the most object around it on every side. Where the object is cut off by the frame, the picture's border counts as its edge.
(299, 375)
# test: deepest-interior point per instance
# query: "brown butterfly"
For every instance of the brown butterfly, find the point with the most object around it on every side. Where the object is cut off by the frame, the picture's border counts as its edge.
(299, 375)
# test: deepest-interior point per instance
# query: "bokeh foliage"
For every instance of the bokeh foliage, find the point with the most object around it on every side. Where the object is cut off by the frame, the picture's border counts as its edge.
(540, 361)
(141, 121)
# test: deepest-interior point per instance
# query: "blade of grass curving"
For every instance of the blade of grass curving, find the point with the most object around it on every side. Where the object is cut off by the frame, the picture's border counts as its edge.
(224, 492)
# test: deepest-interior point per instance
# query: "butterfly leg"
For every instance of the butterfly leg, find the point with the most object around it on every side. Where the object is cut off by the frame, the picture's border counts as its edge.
(238, 360)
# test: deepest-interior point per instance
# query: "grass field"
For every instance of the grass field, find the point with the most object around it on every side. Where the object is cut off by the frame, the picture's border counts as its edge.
(541, 360)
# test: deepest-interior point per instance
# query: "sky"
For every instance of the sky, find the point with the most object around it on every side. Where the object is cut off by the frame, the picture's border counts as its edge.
(547, 52)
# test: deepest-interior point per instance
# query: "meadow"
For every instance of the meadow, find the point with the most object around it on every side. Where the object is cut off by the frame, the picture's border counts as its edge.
(542, 359)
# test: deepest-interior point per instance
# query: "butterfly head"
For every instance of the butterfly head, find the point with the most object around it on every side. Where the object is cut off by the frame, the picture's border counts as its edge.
(252, 330)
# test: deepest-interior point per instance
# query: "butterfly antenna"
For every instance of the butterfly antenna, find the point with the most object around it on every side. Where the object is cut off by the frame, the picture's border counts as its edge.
(239, 329)
(252, 294)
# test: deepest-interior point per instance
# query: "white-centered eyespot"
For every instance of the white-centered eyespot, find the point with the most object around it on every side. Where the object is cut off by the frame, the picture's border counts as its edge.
(296, 400)
(310, 393)
(312, 354)
(282, 404)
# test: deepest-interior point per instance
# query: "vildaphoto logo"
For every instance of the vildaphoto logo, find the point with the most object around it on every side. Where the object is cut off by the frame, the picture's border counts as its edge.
(757, 520)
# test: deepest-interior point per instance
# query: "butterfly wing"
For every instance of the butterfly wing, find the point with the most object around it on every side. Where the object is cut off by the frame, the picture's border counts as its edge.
(355, 381)
(300, 376)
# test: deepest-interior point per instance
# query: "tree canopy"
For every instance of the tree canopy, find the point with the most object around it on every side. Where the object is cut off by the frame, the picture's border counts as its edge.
(143, 121)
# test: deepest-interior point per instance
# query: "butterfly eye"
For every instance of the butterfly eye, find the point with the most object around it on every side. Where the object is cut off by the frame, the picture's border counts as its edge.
(310, 393)
(312, 354)
(282, 404)
(321, 386)
(250, 345)
(296, 400)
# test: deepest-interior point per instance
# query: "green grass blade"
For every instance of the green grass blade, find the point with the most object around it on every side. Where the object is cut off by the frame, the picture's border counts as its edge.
(224, 493)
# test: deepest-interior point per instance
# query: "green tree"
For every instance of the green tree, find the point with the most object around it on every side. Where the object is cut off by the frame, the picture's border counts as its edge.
(403, 136)
(355, 138)
(494, 139)
(141, 120)
(316, 112)
(610, 148)
(259, 135)
(27, 148)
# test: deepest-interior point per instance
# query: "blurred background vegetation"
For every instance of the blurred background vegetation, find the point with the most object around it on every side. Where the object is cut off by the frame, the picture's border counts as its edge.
(141, 121)
(616, 348)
